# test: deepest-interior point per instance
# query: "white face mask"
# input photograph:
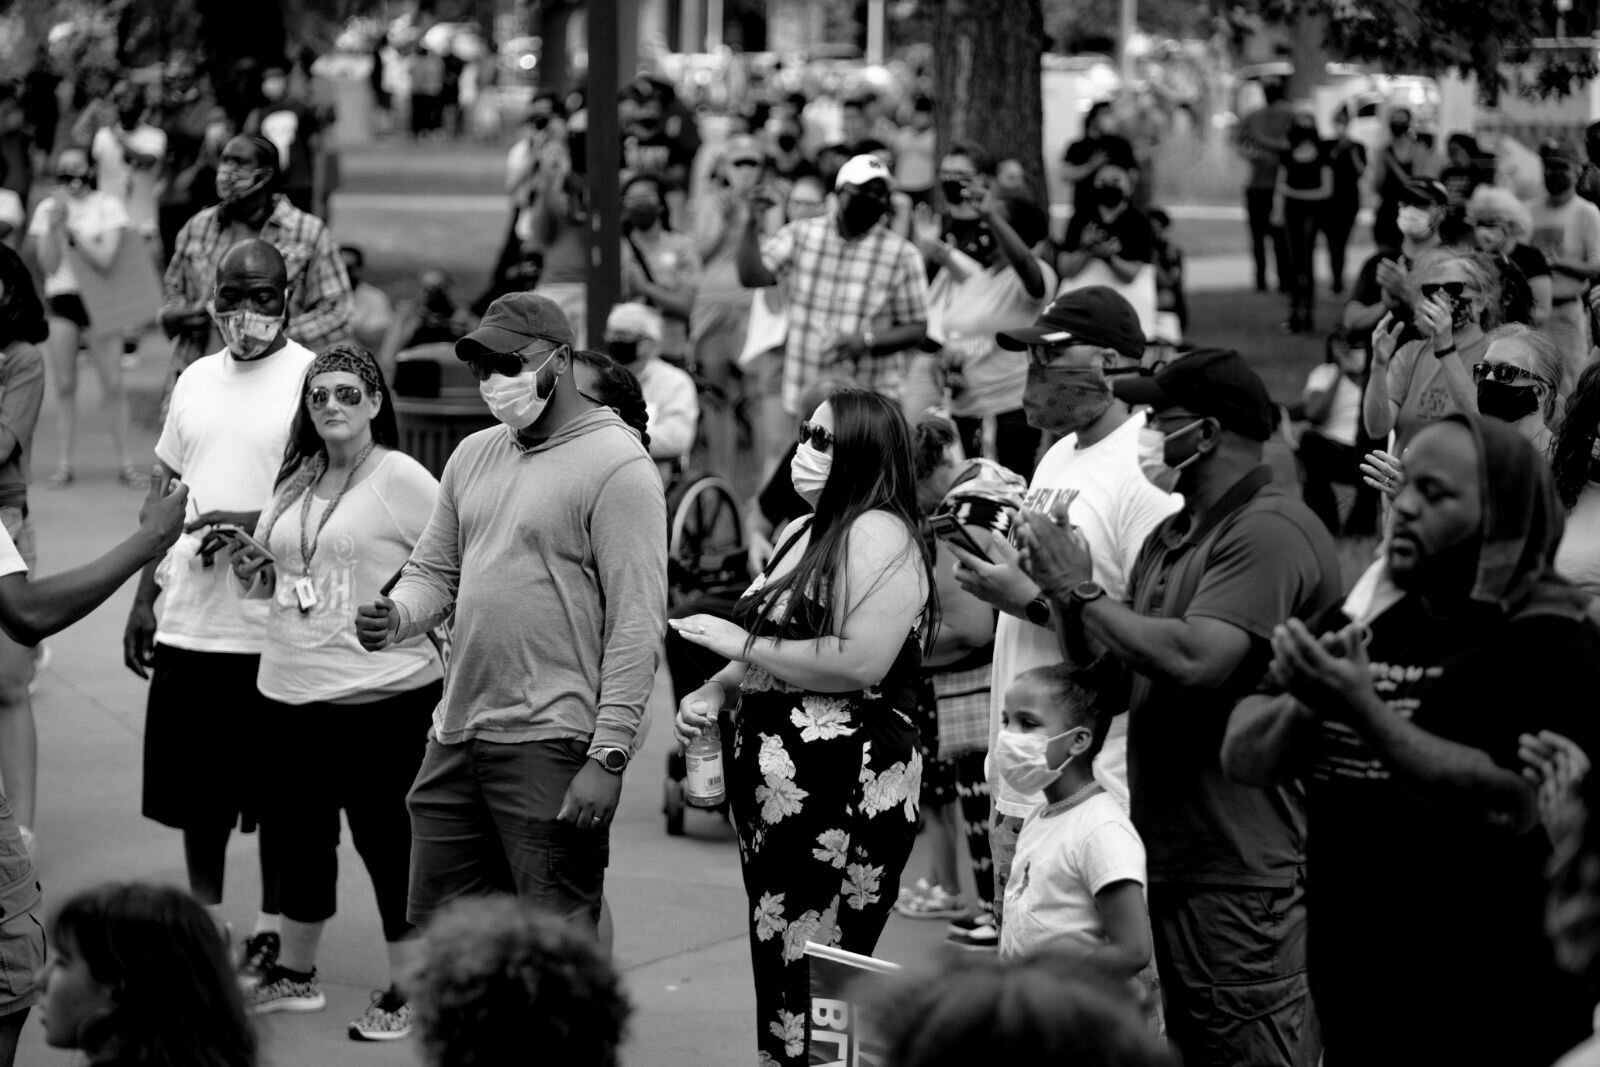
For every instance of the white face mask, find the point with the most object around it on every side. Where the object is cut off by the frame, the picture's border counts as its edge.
(516, 401)
(1023, 761)
(246, 333)
(809, 472)
(1415, 222)
(1153, 456)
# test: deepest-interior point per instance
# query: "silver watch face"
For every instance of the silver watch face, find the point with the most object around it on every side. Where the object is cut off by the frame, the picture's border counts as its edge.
(613, 759)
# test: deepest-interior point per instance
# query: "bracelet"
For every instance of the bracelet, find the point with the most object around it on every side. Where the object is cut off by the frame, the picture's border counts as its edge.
(1444, 351)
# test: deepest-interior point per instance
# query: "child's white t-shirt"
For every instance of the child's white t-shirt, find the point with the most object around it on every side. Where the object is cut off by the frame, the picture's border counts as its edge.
(1062, 861)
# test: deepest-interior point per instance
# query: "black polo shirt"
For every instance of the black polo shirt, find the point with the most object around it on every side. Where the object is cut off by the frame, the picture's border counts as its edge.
(1259, 558)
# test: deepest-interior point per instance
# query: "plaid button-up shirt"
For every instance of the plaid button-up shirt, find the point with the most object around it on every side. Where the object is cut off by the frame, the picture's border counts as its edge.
(319, 290)
(836, 287)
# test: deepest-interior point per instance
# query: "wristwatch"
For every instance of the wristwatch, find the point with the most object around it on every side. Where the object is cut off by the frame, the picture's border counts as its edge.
(1086, 592)
(614, 760)
(1038, 610)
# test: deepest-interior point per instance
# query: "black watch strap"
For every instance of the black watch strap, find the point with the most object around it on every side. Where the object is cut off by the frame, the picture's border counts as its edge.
(1038, 610)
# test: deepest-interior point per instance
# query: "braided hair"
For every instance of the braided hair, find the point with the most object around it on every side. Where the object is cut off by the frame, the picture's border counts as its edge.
(615, 387)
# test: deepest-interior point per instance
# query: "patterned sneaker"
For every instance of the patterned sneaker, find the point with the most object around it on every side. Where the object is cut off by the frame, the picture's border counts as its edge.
(281, 990)
(977, 933)
(387, 1018)
(936, 903)
(260, 956)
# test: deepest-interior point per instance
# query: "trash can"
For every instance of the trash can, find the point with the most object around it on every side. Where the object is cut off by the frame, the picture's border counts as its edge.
(437, 404)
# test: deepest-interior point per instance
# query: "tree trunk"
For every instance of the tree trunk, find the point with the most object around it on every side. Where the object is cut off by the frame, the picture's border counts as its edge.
(986, 79)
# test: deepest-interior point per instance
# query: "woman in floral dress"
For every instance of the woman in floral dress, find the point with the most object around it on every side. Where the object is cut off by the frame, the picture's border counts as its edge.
(825, 775)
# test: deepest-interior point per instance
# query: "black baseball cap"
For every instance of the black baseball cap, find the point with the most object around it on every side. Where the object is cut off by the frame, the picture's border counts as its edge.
(512, 323)
(1424, 193)
(1093, 315)
(1215, 382)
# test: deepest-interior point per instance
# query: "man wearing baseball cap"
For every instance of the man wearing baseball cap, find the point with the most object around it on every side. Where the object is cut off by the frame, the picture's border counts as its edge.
(548, 542)
(1226, 861)
(857, 291)
(1384, 283)
(1566, 228)
(1079, 338)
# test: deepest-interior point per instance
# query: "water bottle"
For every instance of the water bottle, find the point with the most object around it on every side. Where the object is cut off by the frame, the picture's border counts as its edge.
(706, 788)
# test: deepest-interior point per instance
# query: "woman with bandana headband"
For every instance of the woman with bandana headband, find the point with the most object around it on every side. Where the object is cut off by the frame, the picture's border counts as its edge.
(80, 228)
(345, 513)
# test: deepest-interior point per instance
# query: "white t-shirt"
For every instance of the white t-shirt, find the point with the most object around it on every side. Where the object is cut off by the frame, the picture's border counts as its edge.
(10, 559)
(1116, 508)
(136, 187)
(1341, 423)
(226, 428)
(92, 215)
(970, 313)
(1062, 861)
(313, 655)
(1578, 558)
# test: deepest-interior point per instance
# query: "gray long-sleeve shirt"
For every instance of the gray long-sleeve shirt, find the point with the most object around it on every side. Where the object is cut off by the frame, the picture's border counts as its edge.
(555, 560)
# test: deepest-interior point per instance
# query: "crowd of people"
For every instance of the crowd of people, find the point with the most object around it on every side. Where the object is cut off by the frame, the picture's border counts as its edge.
(1020, 579)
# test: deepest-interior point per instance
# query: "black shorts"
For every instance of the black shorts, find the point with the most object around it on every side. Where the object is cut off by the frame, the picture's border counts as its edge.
(204, 732)
(69, 306)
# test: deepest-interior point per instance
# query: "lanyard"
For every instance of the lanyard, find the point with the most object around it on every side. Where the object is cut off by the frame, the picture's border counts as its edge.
(308, 546)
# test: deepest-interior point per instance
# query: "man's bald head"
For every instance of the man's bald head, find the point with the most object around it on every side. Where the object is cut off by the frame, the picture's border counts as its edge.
(255, 259)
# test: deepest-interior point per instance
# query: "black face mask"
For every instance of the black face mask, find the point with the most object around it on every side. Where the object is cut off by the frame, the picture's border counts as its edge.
(1064, 400)
(438, 302)
(1399, 129)
(131, 118)
(539, 122)
(1109, 195)
(1510, 403)
(788, 142)
(954, 192)
(642, 216)
(1557, 182)
(624, 352)
(858, 213)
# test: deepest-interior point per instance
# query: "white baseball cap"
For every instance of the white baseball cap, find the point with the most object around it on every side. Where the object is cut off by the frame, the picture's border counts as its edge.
(863, 169)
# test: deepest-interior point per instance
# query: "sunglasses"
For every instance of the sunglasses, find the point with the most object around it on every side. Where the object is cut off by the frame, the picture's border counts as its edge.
(1454, 290)
(817, 437)
(509, 364)
(348, 396)
(1504, 373)
(744, 162)
(72, 179)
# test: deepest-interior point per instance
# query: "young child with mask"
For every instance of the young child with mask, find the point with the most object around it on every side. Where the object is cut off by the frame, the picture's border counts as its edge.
(1078, 879)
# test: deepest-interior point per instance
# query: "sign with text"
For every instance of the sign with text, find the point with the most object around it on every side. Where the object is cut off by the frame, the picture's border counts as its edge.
(835, 1027)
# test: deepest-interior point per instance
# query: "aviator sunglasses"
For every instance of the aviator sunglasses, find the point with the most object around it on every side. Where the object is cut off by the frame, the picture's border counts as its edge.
(348, 396)
(509, 364)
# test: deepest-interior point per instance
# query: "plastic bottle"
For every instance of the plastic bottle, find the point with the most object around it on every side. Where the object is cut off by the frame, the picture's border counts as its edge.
(706, 786)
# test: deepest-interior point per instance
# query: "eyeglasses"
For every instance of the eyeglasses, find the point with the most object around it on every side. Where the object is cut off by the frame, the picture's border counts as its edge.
(348, 396)
(1504, 373)
(816, 436)
(509, 364)
(1454, 290)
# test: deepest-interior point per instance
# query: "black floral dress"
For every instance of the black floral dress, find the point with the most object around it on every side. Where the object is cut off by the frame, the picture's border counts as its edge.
(824, 788)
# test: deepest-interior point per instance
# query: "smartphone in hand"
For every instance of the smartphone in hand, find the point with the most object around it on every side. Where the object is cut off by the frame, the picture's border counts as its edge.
(238, 535)
(949, 528)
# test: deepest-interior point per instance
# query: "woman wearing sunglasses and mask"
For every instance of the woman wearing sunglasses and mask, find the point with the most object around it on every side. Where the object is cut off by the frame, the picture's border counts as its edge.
(78, 228)
(345, 513)
(1519, 381)
(1421, 371)
(823, 769)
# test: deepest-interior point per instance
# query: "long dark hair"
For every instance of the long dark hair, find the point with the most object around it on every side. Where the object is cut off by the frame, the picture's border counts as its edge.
(617, 389)
(1574, 440)
(304, 441)
(873, 469)
(21, 313)
(177, 1002)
